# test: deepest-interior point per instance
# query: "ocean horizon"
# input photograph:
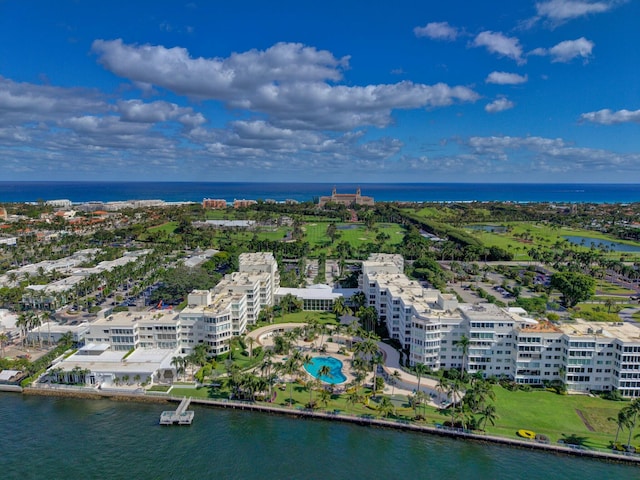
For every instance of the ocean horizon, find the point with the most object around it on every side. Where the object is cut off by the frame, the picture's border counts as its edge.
(103, 191)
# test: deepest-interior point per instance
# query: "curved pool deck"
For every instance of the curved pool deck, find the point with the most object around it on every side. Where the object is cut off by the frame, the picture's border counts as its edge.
(407, 385)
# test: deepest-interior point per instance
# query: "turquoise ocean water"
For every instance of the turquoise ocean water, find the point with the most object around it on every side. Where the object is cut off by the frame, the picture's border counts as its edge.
(59, 438)
(384, 192)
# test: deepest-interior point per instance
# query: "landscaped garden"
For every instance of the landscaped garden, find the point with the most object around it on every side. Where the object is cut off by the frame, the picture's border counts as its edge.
(543, 415)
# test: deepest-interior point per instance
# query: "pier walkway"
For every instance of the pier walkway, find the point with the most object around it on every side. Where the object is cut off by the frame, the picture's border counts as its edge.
(181, 415)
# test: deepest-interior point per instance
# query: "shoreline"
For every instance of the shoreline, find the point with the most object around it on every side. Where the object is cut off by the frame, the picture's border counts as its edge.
(403, 192)
(331, 416)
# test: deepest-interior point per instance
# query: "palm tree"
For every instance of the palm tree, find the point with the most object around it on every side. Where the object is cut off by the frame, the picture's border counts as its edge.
(23, 324)
(353, 398)
(324, 371)
(323, 330)
(463, 343)
(4, 338)
(420, 370)
(36, 322)
(291, 367)
(66, 339)
(265, 369)
(416, 400)
(311, 384)
(622, 421)
(376, 360)
(488, 414)
(394, 379)
(281, 344)
(200, 353)
(337, 330)
(339, 307)
(306, 359)
(251, 341)
(359, 299)
(179, 363)
(368, 351)
(632, 411)
(386, 407)
(368, 317)
(325, 396)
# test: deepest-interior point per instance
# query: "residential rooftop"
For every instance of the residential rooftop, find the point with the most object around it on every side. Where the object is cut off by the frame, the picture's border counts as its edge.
(627, 332)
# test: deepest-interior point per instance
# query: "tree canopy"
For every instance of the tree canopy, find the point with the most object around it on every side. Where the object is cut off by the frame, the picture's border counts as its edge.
(574, 287)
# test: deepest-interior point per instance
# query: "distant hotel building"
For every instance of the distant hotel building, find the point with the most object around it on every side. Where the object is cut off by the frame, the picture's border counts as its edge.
(214, 203)
(243, 203)
(347, 199)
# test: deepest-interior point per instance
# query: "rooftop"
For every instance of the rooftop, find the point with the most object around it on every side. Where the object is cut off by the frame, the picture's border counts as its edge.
(169, 317)
(542, 326)
(627, 332)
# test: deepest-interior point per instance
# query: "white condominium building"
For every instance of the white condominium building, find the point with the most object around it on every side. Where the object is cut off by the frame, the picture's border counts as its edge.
(262, 263)
(210, 317)
(125, 331)
(502, 342)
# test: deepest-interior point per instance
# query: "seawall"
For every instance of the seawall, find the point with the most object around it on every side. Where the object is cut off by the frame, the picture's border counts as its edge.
(336, 416)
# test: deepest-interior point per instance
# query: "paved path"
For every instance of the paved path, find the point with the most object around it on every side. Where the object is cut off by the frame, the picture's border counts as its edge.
(408, 383)
(626, 314)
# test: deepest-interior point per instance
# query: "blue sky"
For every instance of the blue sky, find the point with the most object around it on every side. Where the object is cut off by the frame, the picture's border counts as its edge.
(337, 91)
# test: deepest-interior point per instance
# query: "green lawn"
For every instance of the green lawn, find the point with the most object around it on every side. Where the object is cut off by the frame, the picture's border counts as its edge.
(601, 307)
(305, 316)
(540, 411)
(552, 415)
(168, 227)
(605, 287)
(356, 234)
(539, 235)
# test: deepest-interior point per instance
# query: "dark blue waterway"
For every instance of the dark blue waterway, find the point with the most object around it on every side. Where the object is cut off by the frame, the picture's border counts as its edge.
(407, 192)
(59, 438)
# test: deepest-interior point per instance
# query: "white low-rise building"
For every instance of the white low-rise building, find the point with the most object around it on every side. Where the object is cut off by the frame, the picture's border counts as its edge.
(314, 298)
(52, 332)
(98, 365)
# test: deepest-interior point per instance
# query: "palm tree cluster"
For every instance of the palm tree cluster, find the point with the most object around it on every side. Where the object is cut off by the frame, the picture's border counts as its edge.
(473, 409)
(626, 419)
(75, 376)
(28, 321)
(198, 358)
(367, 357)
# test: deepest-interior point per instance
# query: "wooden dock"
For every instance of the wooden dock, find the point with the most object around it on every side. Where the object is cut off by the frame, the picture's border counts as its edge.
(180, 416)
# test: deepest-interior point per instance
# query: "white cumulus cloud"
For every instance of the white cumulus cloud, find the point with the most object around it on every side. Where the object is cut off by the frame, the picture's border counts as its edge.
(153, 112)
(437, 31)
(175, 69)
(608, 117)
(294, 85)
(569, 49)
(505, 78)
(499, 105)
(496, 42)
(562, 10)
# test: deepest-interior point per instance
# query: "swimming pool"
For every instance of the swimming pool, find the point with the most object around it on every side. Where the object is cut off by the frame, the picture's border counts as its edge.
(335, 365)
